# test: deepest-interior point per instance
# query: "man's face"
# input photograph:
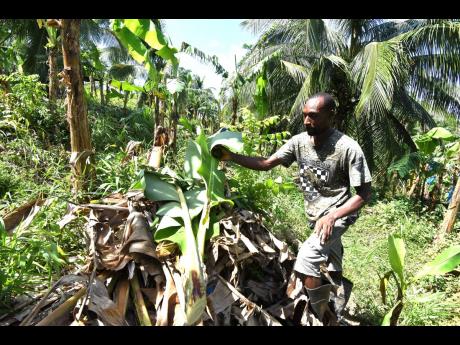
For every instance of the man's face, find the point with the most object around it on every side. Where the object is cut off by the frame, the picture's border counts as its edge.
(316, 119)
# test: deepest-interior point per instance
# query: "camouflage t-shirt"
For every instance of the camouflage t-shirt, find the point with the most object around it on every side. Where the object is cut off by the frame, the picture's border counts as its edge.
(326, 172)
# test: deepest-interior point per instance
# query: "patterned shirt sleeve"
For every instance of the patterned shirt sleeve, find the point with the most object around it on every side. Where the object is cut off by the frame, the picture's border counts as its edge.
(358, 170)
(286, 153)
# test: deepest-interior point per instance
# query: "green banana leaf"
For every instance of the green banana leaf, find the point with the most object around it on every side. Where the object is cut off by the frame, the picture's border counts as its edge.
(125, 86)
(387, 318)
(233, 141)
(397, 252)
(146, 30)
(440, 133)
(445, 262)
(129, 40)
(195, 198)
(158, 190)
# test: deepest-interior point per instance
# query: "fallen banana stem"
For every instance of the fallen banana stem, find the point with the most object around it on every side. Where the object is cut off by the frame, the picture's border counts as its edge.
(141, 310)
(122, 295)
(62, 310)
(105, 207)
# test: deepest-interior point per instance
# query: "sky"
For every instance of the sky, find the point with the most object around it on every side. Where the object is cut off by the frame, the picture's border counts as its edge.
(221, 37)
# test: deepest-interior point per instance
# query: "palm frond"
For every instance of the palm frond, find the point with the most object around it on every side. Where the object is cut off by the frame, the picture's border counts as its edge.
(258, 26)
(299, 73)
(407, 109)
(202, 57)
(121, 71)
(436, 92)
(376, 71)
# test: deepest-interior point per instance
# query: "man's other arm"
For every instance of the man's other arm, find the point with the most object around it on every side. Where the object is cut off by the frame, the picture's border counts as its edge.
(254, 163)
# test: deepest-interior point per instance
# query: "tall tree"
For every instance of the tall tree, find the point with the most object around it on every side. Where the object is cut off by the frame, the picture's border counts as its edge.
(80, 137)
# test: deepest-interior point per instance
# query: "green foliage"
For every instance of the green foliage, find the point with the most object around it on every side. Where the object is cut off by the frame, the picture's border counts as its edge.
(36, 254)
(24, 107)
(408, 164)
(445, 262)
(260, 136)
(397, 252)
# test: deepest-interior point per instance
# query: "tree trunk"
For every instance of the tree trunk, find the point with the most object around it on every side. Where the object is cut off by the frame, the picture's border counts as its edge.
(125, 101)
(413, 187)
(156, 111)
(141, 100)
(92, 86)
(234, 110)
(80, 138)
(451, 214)
(173, 128)
(161, 113)
(53, 79)
(107, 89)
(101, 90)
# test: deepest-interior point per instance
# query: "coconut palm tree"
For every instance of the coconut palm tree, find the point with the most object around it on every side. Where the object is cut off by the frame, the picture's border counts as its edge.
(380, 73)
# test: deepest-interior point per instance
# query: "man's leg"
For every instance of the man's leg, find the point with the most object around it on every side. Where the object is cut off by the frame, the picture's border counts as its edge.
(311, 255)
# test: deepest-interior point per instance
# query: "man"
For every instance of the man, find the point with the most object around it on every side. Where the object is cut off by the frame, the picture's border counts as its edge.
(329, 163)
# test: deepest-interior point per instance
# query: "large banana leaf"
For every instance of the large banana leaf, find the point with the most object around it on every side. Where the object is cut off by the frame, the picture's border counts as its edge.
(131, 42)
(195, 199)
(440, 133)
(134, 32)
(212, 177)
(192, 160)
(146, 30)
(231, 140)
(445, 262)
(158, 190)
(125, 86)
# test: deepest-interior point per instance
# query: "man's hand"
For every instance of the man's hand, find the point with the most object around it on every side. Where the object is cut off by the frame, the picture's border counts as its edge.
(221, 153)
(324, 227)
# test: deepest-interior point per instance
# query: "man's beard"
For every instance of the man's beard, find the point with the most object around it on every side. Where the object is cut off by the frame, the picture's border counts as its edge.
(314, 131)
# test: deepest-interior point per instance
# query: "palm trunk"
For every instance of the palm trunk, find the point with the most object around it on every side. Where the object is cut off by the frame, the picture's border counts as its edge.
(101, 90)
(80, 138)
(53, 79)
(451, 214)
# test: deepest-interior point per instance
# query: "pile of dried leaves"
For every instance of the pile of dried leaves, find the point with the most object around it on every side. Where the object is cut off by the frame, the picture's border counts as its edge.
(131, 280)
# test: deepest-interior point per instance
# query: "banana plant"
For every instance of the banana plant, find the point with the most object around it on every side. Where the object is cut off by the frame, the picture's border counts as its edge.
(190, 216)
(141, 37)
(443, 263)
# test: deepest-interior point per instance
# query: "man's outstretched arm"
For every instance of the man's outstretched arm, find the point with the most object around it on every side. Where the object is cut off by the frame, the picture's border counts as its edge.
(254, 163)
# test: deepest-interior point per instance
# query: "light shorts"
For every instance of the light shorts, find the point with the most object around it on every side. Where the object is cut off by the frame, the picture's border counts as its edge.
(312, 253)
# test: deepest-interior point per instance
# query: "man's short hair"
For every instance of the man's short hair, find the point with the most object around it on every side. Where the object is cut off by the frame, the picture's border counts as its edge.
(329, 103)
